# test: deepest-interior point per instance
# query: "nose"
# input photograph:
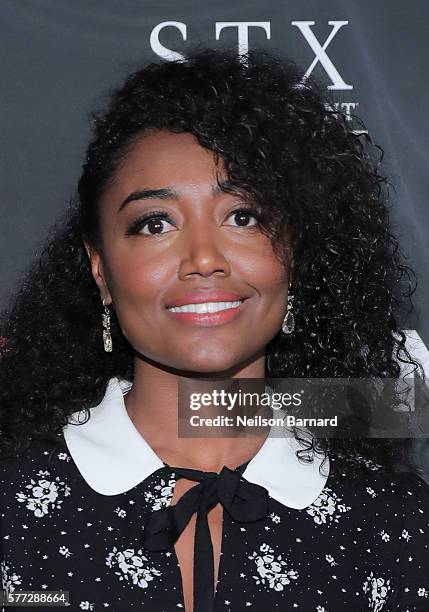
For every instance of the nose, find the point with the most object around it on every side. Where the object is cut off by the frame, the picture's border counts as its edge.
(204, 252)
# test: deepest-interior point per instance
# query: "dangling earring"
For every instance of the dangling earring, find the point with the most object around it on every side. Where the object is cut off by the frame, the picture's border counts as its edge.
(107, 338)
(288, 324)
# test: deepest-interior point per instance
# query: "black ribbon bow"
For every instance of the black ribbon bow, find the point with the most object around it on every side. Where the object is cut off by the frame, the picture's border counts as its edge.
(244, 501)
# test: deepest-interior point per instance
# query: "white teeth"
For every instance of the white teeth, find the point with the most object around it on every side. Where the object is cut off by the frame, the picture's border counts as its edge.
(206, 307)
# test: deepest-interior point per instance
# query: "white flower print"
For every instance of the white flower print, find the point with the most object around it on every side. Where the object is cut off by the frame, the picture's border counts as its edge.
(405, 535)
(120, 512)
(9, 578)
(377, 590)
(133, 566)
(85, 605)
(369, 463)
(165, 493)
(274, 517)
(327, 507)
(371, 492)
(63, 456)
(330, 559)
(63, 550)
(43, 494)
(384, 536)
(422, 592)
(272, 569)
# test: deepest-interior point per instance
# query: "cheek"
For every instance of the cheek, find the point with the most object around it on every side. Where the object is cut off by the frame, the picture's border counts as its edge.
(136, 285)
(277, 278)
(267, 274)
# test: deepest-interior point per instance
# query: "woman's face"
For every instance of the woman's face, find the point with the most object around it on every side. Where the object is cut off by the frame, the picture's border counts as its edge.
(199, 245)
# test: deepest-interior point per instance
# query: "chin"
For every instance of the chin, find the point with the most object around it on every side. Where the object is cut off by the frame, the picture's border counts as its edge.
(210, 365)
(188, 361)
(212, 368)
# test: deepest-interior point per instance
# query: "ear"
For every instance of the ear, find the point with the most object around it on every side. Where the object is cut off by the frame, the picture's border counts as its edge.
(98, 275)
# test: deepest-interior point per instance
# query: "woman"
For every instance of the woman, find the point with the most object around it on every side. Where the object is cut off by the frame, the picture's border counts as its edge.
(226, 181)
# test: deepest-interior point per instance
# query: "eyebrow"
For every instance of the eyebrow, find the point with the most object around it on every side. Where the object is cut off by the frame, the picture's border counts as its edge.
(166, 193)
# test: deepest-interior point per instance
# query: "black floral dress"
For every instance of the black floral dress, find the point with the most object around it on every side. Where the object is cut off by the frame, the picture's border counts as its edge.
(363, 544)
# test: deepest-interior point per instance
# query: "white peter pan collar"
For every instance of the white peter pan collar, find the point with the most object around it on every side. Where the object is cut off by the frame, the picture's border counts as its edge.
(113, 457)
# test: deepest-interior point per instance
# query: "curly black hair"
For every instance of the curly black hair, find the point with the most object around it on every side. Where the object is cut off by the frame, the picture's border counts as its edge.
(322, 194)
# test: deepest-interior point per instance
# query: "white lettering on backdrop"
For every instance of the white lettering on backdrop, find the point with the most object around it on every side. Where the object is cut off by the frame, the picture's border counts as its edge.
(242, 27)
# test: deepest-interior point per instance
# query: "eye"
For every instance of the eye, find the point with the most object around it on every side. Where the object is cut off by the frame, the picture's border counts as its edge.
(151, 224)
(157, 222)
(242, 215)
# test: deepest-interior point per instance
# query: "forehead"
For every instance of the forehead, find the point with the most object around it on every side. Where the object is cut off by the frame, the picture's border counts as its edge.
(159, 158)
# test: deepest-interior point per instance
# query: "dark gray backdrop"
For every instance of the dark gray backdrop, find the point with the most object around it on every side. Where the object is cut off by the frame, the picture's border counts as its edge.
(59, 57)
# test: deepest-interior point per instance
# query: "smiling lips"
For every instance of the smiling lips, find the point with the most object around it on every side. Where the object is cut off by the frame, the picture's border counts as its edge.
(207, 307)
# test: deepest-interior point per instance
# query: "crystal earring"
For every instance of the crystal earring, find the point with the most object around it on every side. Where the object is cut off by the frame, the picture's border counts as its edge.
(288, 324)
(107, 338)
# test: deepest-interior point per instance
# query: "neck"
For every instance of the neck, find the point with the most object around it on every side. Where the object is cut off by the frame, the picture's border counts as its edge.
(152, 405)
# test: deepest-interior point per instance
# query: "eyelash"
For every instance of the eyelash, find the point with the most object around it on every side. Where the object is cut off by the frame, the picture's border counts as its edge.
(138, 225)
